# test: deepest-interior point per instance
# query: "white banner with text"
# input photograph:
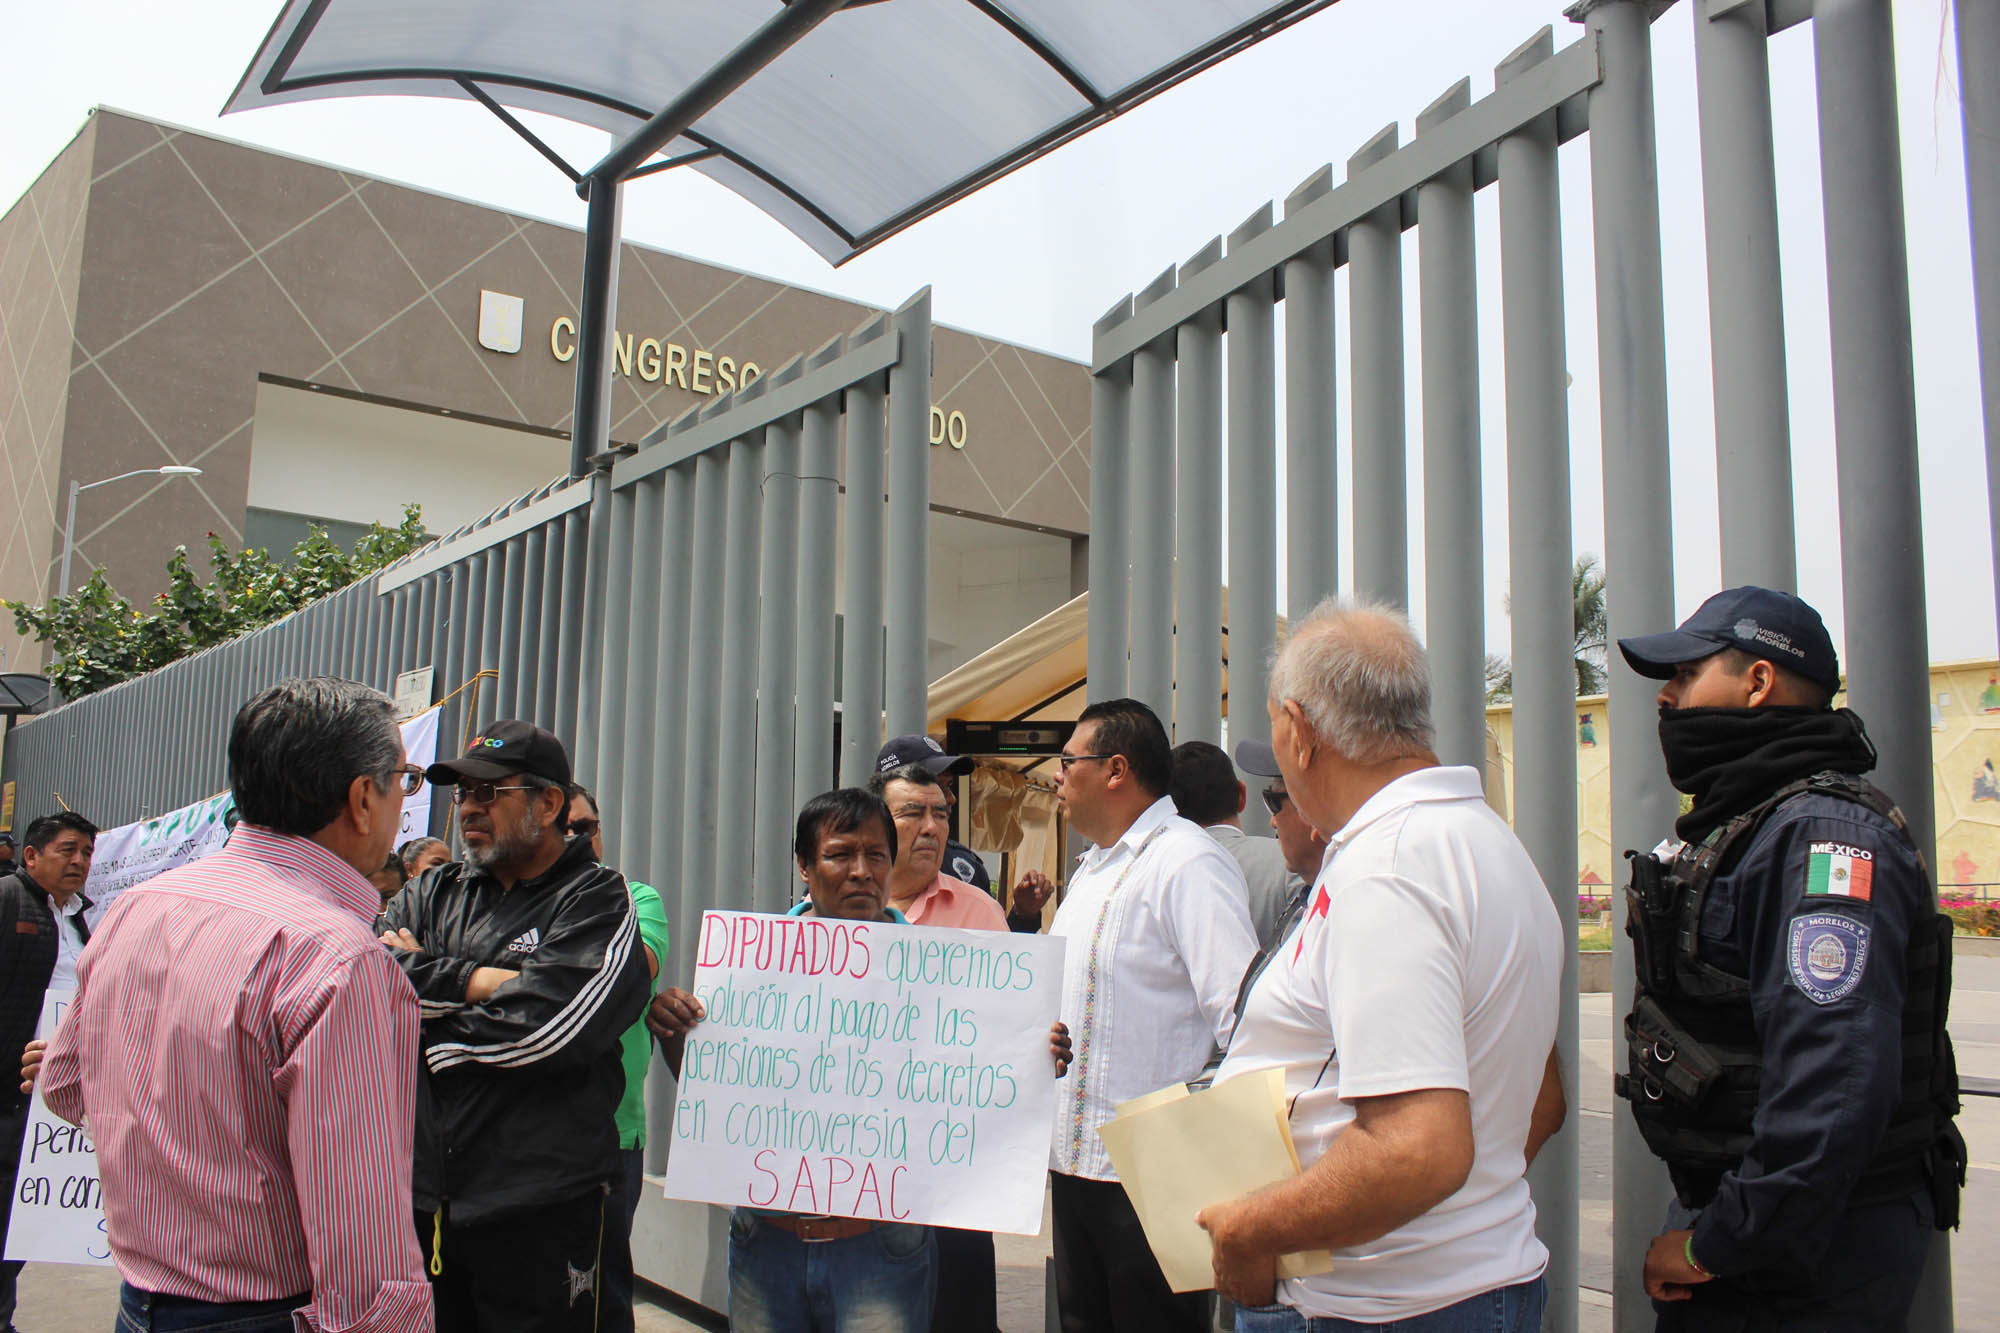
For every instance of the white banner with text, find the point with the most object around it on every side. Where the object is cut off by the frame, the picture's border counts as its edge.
(866, 1069)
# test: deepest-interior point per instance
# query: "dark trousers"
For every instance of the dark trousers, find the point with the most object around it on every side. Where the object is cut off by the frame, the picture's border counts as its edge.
(534, 1272)
(614, 1315)
(13, 1123)
(965, 1283)
(1107, 1280)
(144, 1312)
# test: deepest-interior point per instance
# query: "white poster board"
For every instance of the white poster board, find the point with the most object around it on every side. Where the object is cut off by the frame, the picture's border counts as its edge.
(863, 1069)
(420, 744)
(58, 1215)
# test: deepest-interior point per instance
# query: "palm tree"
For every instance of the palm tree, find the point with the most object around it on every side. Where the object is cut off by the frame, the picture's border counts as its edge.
(1591, 635)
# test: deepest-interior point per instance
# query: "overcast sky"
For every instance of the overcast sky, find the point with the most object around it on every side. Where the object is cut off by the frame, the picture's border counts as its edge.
(1037, 257)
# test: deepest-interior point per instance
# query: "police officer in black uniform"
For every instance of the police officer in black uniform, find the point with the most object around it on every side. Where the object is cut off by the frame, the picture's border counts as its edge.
(1787, 1055)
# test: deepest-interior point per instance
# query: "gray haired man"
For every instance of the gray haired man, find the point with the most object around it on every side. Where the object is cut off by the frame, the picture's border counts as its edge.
(1410, 1010)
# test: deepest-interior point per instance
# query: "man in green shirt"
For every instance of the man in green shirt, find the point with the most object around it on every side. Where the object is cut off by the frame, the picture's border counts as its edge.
(615, 1313)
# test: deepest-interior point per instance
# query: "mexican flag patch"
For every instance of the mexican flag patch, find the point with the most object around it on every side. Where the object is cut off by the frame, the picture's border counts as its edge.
(1837, 870)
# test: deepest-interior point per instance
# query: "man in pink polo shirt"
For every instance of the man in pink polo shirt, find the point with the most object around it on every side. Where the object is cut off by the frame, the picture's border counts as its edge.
(967, 1301)
(918, 886)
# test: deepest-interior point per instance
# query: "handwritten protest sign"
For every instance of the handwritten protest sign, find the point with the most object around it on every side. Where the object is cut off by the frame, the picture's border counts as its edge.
(863, 1069)
(58, 1213)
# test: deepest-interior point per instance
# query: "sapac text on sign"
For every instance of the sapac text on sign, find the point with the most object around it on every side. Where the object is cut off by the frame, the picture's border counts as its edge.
(865, 1069)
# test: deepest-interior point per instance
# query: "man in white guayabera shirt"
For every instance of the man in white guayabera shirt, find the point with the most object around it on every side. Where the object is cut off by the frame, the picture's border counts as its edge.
(1413, 1010)
(1159, 937)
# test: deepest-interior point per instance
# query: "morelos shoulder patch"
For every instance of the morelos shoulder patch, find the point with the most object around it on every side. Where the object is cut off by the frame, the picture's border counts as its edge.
(1829, 953)
(1840, 870)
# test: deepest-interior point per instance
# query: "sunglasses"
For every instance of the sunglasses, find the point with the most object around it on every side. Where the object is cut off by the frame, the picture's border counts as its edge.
(1274, 800)
(482, 793)
(585, 828)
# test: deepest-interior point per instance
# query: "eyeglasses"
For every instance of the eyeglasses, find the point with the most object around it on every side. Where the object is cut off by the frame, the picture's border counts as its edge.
(1069, 759)
(409, 779)
(585, 828)
(482, 793)
(1274, 800)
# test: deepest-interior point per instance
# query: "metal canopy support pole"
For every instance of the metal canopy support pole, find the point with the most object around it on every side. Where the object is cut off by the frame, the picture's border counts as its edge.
(1454, 586)
(590, 421)
(814, 763)
(861, 638)
(1150, 517)
(777, 664)
(907, 544)
(1110, 520)
(1375, 323)
(699, 830)
(736, 787)
(1978, 30)
(1746, 315)
(1638, 534)
(1875, 435)
(1198, 521)
(1253, 505)
(570, 670)
(1543, 632)
(1312, 491)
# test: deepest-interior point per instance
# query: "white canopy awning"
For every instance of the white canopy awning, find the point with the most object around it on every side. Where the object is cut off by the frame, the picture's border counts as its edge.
(884, 113)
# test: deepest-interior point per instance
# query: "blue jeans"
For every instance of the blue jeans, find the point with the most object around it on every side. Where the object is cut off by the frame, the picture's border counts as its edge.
(1516, 1309)
(143, 1312)
(880, 1281)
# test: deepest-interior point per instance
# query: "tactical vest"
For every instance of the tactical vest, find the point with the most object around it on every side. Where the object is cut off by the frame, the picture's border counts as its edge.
(1693, 1062)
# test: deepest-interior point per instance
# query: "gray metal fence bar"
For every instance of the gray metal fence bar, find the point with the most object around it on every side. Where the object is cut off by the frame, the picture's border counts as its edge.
(637, 811)
(906, 547)
(1253, 504)
(589, 683)
(549, 640)
(569, 638)
(492, 574)
(1197, 519)
(516, 660)
(814, 763)
(1875, 433)
(1375, 323)
(1977, 28)
(1150, 515)
(699, 831)
(1110, 537)
(669, 675)
(777, 662)
(1454, 589)
(861, 641)
(736, 690)
(1638, 534)
(613, 653)
(1312, 487)
(1544, 787)
(1745, 295)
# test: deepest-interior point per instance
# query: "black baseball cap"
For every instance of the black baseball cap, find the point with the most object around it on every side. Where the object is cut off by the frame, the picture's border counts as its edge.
(1772, 625)
(1258, 759)
(507, 747)
(923, 751)
(6, 840)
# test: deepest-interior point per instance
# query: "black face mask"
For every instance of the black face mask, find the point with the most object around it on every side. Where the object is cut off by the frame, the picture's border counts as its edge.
(1729, 759)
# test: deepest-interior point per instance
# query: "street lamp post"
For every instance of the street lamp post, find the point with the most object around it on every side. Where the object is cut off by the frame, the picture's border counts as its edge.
(76, 489)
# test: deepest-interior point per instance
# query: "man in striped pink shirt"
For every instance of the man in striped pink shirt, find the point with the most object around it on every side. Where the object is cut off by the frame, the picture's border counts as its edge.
(246, 1053)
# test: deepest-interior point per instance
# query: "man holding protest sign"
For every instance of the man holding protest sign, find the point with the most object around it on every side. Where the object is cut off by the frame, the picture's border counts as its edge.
(527, 961)
(840, 1268)
(42, 931)
(253, 1086)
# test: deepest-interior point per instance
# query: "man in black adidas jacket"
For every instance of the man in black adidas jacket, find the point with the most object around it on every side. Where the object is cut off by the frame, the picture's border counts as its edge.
(528, 968)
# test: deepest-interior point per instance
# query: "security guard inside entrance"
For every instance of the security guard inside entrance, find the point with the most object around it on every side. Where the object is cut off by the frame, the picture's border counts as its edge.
(1787, 1055)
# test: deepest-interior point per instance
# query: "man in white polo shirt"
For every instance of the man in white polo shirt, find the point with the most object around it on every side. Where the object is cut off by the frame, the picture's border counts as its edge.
(1413, 1011)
